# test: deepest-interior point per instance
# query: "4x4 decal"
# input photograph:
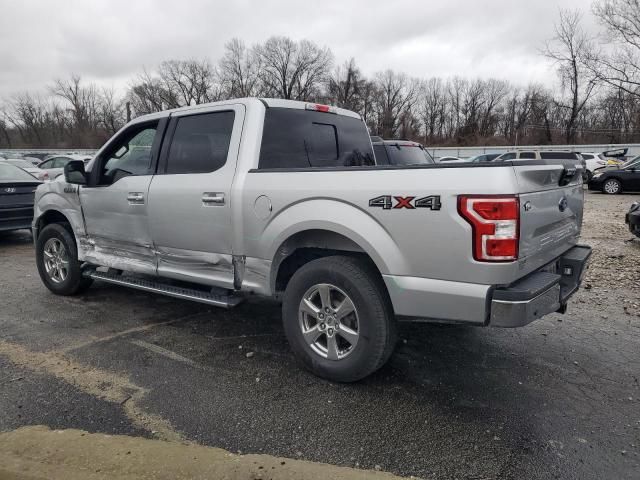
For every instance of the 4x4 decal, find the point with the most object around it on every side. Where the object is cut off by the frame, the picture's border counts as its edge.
(386, 202)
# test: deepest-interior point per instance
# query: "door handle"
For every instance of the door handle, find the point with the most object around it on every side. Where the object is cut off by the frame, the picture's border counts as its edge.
(135, 198)
(212, 198)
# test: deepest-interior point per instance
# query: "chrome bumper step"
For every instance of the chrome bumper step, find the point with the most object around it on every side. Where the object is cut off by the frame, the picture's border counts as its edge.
(225, 301)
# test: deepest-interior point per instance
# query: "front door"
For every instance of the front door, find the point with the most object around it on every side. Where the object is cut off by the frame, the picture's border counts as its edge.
(189, 199)
(114, 203)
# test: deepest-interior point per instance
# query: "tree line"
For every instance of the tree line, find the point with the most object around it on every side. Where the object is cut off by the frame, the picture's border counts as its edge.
(597, 98)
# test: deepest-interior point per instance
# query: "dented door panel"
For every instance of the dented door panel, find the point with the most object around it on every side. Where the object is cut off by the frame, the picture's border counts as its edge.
(117, 230)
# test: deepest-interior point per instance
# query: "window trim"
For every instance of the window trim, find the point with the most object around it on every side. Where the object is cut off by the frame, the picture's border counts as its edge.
(96, 169)
(163, 159)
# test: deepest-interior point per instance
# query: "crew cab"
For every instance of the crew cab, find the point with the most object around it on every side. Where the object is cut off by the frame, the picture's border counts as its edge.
(285, 199)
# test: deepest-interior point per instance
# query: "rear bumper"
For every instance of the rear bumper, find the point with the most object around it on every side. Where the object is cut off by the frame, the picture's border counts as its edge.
(540, 293)
(544, 291)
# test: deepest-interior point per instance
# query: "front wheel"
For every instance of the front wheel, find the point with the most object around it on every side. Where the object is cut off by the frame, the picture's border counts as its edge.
(338, 318)
(57, 261)
(588, 176)
(612, 186)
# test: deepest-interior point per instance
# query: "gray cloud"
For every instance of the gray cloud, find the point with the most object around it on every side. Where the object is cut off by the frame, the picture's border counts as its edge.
(109, 41)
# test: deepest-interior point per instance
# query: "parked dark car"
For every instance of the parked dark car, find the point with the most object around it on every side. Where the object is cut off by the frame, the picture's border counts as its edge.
(17, 189)
(485, 157)
(399, 152)
(614, 180)
(632, 218)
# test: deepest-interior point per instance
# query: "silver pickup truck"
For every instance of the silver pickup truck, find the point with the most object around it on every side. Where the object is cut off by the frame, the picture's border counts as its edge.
(285, 199)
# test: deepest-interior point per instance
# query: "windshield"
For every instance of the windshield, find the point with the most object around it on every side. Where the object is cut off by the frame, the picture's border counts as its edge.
(11, 173)
(19, 163)
(635, 161)
(407, 155)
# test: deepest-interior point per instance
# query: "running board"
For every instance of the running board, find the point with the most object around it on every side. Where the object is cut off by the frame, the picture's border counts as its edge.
(225, 301)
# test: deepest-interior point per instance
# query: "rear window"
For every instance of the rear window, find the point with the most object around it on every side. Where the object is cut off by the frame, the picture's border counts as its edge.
(294, 138)
(407, 155)
(558, 156)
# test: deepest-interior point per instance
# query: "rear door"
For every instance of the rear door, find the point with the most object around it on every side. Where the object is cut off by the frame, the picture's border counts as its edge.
(189, 199)
(551, 203)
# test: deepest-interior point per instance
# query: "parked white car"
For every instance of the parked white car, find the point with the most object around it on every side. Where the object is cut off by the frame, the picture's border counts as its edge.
(593, 161)
(54, 166)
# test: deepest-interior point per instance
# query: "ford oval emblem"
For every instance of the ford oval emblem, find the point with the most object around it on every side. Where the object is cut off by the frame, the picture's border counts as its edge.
(562, 205)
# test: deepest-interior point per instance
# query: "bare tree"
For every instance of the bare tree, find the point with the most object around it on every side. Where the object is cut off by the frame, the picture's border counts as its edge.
(346, 86)
(81, 101)
(571, 50)
(148, 95)
(112, 114)
(621, 67)
(239, 70)
(396, 94)
(188, 82)
(432, 104)
(293, 70)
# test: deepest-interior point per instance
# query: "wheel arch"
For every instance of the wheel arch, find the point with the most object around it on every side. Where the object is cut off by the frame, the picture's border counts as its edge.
(327, 227)
(53, 216)
(307, 245)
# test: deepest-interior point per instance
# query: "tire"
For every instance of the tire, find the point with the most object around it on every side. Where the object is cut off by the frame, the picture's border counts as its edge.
(56, 252)
(612, 186)
(346, 278)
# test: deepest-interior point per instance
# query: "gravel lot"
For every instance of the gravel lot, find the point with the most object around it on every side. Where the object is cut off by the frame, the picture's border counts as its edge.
(557, 399)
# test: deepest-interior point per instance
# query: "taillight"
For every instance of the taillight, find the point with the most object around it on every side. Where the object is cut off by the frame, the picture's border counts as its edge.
(321, 108)
(495, 222)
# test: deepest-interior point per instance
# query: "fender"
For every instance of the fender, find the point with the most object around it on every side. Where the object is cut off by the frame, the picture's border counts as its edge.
(338, 217)
(53, 196)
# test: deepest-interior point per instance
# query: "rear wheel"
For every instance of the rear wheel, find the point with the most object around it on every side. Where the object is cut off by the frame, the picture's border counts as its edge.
(338, 318)
(57, 261)
(612, 186)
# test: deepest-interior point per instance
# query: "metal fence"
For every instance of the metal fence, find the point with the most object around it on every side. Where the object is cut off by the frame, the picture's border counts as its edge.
(48, 151)
(466, 152)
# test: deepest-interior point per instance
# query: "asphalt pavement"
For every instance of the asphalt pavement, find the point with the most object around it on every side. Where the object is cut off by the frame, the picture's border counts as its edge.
(559, 398)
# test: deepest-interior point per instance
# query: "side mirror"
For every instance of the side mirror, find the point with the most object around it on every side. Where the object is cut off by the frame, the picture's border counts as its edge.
(74, 172)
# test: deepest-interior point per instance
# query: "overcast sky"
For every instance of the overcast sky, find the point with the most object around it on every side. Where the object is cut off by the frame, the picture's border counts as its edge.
(109, 41)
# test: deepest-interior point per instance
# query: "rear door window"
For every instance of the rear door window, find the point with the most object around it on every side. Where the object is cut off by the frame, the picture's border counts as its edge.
(296, 138)
(527, 155)
(200, 143)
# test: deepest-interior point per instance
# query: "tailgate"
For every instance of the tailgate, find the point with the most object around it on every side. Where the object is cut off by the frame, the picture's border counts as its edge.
(551, 203)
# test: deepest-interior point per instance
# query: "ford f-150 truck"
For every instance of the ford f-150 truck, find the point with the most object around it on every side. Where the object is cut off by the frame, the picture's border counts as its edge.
(285, 199)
